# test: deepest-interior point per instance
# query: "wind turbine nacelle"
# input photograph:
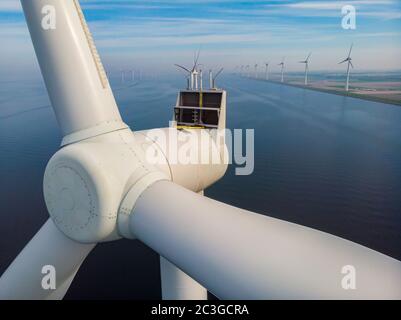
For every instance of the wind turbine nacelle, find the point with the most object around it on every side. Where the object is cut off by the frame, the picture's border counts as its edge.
(207, 165)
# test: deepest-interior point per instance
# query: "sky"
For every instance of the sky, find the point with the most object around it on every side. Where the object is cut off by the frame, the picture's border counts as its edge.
(155, 34)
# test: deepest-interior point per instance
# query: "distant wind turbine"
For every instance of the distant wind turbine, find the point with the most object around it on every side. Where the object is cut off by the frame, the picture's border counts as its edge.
(282, 69)
(306, 61)
(212, 79)
(267, 71)
(349, 63)
(193, 73)
(256, 70)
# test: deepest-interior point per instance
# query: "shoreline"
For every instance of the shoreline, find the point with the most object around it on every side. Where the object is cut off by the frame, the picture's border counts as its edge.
(340, 93)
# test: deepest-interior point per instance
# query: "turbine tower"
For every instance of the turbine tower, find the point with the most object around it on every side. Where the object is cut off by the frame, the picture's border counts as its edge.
(306, 61)
(212, 79)
(256, 70)
(349, 64)
(122, 78)
(282, 69)
(267, 71)
(195, 74)
(100, 186)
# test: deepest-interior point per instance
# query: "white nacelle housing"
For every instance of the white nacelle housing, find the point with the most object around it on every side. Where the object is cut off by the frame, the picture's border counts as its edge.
(207, 165)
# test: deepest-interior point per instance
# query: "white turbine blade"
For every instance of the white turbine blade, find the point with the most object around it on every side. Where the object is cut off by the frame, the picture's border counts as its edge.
(345, 60)
(350, 62)
(63, 287)
(23, 278)
(308, 56)
(73, 73)
(238, 254)
(350, 50)
(196, 58)
(176, 285)
(185, 69)
(218, 72)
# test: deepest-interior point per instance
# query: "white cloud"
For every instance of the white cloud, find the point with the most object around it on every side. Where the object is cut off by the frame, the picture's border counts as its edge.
(333, 5)
(225, 39)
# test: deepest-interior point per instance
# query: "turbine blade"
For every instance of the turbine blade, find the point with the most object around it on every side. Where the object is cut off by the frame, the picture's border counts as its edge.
(179, 66)
(308, 56)
(252, 256)
(176, 285)
(350, 50)
(86, 84)
(345, 60)
(23, 278)
(196, 59)
(218, 72)
(350, 62)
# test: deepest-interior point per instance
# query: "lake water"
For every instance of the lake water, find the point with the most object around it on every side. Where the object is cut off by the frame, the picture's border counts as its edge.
(325, 161)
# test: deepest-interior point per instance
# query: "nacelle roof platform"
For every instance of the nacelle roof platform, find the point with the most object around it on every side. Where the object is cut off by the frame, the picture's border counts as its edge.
(200, 109)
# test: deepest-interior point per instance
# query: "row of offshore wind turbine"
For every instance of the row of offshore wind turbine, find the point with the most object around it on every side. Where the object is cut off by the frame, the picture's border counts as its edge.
(126, 75)
(245, 69)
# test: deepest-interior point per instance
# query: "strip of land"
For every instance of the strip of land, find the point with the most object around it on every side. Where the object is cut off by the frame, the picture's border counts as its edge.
(378, 91)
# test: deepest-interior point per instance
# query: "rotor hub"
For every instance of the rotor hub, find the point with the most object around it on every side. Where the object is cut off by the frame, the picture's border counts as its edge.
(85, 183)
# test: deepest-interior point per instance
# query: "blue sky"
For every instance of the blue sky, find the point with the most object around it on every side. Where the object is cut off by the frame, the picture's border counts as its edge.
(157, 33)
